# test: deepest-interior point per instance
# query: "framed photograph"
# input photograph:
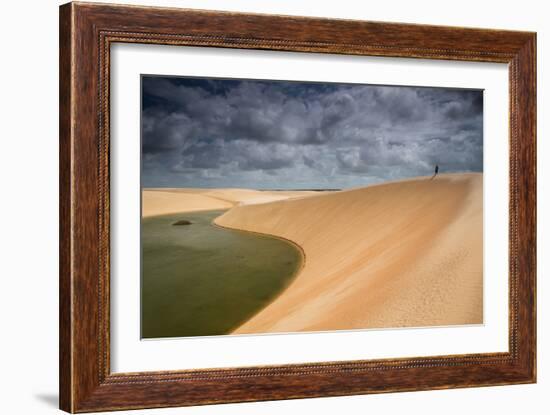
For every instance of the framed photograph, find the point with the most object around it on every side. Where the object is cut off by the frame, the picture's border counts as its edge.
(258, 207)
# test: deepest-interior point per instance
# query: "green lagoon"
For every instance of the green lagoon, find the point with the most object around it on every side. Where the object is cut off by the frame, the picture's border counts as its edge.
(199, 279)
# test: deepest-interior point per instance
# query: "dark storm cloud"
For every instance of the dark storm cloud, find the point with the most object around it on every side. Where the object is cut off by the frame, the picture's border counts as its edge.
(212, 132)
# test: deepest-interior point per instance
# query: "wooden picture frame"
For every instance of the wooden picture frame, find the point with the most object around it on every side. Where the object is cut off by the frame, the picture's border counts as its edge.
(86, 33)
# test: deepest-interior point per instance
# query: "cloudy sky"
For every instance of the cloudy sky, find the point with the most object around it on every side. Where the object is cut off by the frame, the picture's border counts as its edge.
(200, 132)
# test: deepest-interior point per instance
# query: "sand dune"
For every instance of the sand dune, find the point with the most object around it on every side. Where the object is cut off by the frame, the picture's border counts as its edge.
(245, 196)
(163, 201)
(400, 254)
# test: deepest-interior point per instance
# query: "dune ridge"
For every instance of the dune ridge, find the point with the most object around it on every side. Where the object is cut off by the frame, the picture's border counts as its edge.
(162, 201)
(400, 254)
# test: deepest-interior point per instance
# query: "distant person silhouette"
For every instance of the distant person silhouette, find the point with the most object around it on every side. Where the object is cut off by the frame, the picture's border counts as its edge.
(436, 171)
